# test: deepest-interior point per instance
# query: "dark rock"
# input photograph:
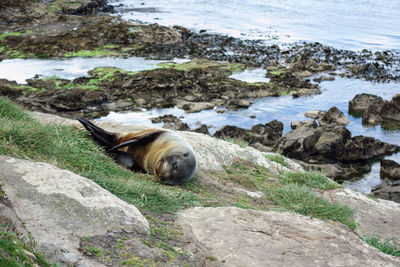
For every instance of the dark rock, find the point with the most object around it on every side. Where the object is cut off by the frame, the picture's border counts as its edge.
(89, 8)
(360, 103)
(372, 116)
(390, 169)
(202, 129)
(337, 171)
(271, 132)
(266, 134)
(63, 100)
(333, 116)
(375, 110)
(171, 122)
(388, 191)
(306, 124)
(331, 144)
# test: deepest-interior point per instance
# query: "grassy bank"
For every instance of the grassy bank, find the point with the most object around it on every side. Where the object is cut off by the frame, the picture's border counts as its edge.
(69, 148)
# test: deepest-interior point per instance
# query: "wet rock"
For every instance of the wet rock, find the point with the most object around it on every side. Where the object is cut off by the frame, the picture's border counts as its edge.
(171, 122)
(360, 103)
(202, 129)
(306, 63)
(10, 89)
(332, 144)
(337, 171)
(91, 7)
(195, 106)
(238, 103)
(368, 70)
(265, 134)
(313, 114)
(388, 191)
(306, 124)
(390, 169)
(375, 110)
(71, 100)
(324, 78)
(332, 116)
(60, 207)
(241, 237)
(290, 82)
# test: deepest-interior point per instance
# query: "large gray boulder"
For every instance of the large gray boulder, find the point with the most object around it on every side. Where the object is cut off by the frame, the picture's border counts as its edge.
(238, 237)
(59, 207)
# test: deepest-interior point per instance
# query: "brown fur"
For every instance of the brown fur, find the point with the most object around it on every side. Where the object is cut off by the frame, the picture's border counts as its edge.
(153, 156)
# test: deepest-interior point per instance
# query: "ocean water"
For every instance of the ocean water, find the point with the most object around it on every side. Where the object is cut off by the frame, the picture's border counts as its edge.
(354, 25)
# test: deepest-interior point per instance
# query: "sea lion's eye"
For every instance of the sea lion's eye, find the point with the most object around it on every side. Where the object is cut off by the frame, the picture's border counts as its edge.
(174, 166)
(186, 154)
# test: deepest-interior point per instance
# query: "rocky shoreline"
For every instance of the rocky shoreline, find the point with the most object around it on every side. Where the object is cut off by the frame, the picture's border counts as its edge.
(81, 222)
(64, 29)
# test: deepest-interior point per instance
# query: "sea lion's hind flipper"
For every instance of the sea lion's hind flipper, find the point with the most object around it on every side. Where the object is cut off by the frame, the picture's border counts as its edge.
(104, 138)
(139, 140)
(127, 160)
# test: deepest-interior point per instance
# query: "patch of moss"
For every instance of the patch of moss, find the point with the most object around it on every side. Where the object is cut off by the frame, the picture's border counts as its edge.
(98, 252)
(106, 50)
(7, 34)
(202, 64)
(18, 54)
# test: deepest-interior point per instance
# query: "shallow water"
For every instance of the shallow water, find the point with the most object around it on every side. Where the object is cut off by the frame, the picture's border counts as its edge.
(288, 109)
(68, 68)
(356, 24)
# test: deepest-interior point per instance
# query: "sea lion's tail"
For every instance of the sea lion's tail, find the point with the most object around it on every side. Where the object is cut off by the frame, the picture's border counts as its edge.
(104, 138)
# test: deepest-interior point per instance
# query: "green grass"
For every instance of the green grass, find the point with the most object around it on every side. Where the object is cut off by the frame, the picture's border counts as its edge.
(300, 199)
(311, 179)
(277, 158)
(384, 245)
(72, 149)
(13, 251)
(292, 191)
(239, 142)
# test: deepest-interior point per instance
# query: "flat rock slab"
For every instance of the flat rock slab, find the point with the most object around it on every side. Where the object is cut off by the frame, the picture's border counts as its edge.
(374, 216)
(59, 207)
(238, 237)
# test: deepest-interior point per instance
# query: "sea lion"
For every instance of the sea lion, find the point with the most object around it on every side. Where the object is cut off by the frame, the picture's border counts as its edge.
(160, 152)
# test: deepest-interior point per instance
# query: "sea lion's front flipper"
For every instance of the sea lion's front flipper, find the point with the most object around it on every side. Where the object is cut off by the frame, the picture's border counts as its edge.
(126, 159)
(104, 138)
(141, 139)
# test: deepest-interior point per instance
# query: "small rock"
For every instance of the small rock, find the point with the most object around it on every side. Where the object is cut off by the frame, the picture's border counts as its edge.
(307, 124)
(390, 169)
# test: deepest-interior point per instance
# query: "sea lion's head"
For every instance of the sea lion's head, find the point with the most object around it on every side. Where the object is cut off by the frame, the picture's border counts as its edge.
(176, 166)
